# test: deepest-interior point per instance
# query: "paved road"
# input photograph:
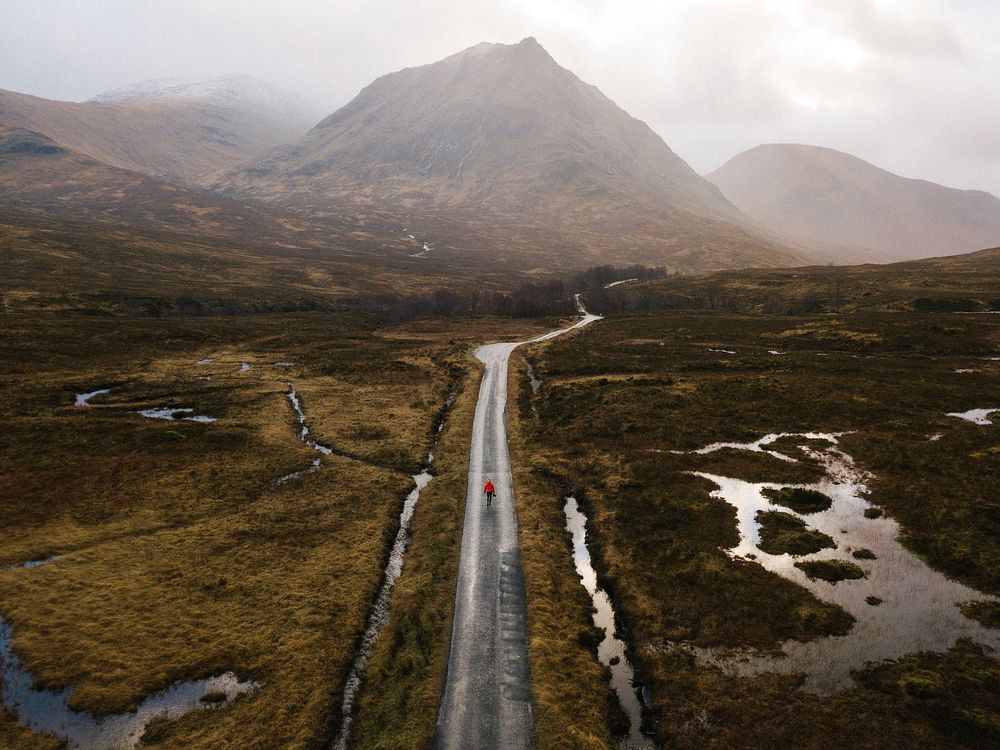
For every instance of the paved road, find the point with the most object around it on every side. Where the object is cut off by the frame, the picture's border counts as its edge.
(487, 698)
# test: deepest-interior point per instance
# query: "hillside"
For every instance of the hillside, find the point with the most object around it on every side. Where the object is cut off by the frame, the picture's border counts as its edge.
(833, 197)
(503, 140)
(183, 131)
(967, 283)
(78, 233)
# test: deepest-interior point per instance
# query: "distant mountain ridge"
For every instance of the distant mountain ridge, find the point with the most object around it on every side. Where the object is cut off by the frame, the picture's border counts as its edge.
(186, 131)
(237, 91)
(834, 197)
(520, 149)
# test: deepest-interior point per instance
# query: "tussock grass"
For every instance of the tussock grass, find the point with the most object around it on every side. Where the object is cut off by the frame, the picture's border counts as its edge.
(782, 533)
(399, 699)
(798, 499)
(180, 557)
(574, 705)
(610, 416)
(831, 571)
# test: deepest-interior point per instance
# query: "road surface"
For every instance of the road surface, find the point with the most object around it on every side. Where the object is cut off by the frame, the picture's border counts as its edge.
(487, 697)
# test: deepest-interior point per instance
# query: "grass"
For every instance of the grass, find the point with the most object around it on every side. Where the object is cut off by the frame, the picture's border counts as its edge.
(180, 558)
(798, 499)
(622, 403)
(399, 699)
(398, 703)
(831, 571)
(573, 702)
(783, 533)
(987, 612)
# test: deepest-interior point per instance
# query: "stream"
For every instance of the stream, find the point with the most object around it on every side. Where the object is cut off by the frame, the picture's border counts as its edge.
(901, 606)
(83, 399)
(379, 616)
(380, 611)
(611, 651)
(300, 416)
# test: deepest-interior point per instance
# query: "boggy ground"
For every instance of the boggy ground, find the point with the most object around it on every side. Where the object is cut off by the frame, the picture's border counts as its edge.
(181, 557)
(619, 397)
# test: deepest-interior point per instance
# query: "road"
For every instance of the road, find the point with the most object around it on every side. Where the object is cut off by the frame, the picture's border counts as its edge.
(487, 697)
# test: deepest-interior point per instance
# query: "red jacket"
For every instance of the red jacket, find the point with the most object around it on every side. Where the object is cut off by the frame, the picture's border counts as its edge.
(488, 487)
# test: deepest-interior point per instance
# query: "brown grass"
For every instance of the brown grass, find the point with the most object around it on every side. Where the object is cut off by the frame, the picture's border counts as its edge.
(180, 558)
(609, 415)
(402, 688)
(573, 701)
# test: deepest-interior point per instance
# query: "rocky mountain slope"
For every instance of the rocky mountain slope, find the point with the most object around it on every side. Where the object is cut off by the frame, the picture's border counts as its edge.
(505, 141)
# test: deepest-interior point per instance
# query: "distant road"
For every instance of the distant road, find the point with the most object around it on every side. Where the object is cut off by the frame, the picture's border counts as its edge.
(487, 702)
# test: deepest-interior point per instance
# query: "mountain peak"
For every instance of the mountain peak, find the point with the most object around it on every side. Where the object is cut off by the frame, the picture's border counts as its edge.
(504, 133)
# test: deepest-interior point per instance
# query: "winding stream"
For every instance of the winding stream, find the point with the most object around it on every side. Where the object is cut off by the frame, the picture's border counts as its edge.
(380, 611)
(901, 606)
(611, 650)
(300, 416)
(382, 608)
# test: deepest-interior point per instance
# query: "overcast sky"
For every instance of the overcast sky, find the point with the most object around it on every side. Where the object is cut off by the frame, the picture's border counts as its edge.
(910, 85)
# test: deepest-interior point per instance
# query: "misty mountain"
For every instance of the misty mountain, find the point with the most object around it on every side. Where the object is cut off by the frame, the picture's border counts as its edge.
(180, 130)
(833, 197)
(518, 148)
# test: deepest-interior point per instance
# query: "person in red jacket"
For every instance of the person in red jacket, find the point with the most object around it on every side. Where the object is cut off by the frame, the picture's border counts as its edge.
(489, 490)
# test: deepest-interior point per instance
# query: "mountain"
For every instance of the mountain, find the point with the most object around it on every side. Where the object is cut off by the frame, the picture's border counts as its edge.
(186, 131)
(834, 197)
(77, 233)
(501, 139)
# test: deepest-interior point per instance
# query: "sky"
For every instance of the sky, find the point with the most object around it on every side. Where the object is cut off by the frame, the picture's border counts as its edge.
(912, 86)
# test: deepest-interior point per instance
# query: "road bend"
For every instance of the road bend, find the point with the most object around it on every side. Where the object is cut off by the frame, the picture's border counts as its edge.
(487, 701)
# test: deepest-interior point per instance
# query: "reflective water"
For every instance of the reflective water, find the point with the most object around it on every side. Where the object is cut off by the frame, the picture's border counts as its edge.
(919, 609)
(47, 710)
(613, 284)
(28, 564)
(976, 416)
(300, 416)
(83, 398)
(760, 445)
(611, 650)
(169, 413)
(380, 611)
(296, 402)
